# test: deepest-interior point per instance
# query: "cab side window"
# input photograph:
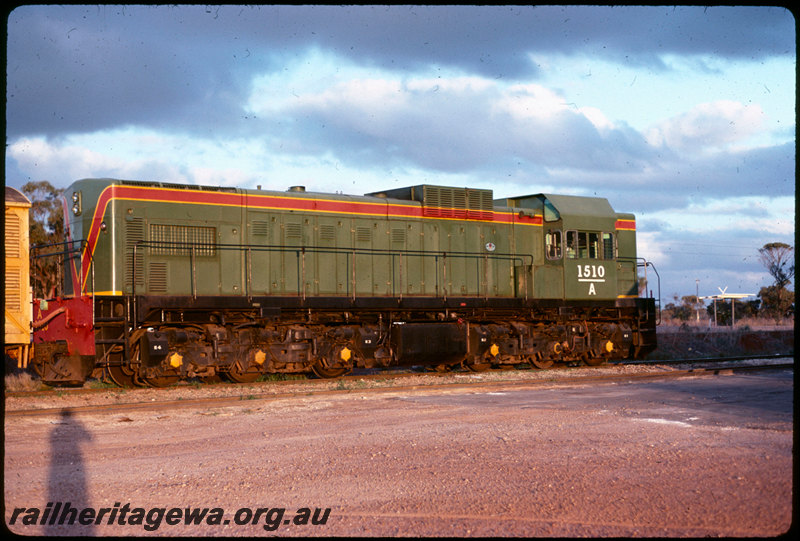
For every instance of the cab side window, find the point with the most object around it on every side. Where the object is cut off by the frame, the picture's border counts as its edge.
(589, 245)
(573, 245)
(593, 245)
(609, 248)
(553, 244)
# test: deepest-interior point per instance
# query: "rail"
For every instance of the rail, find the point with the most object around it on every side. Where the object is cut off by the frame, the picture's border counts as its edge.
(95, 399)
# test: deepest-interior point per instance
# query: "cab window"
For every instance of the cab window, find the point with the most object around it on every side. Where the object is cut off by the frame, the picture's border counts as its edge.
(553, 244)
(589, 245)
(551, 213)
(593, 245)
(609, 248)
(573, 245)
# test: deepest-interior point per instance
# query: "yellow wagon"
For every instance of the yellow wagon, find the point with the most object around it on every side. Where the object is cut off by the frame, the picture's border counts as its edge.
(18, 292)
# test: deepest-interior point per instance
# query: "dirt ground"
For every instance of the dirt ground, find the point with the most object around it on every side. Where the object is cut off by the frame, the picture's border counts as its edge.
(689, 458)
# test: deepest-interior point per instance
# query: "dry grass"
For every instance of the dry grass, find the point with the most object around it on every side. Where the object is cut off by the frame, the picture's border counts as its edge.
(692, 341)
(22, 381)
(745, 324)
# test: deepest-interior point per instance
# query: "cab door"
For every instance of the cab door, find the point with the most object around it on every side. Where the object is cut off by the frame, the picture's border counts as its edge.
(231, 259)
(549, 277)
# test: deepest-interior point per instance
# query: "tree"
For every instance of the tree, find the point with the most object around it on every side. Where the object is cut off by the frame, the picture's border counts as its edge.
(686, 310)
(46, 227)
(692, 304)
(776, 300)
(775, 256)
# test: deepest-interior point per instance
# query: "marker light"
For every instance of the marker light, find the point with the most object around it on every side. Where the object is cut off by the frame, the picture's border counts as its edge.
(76, 203)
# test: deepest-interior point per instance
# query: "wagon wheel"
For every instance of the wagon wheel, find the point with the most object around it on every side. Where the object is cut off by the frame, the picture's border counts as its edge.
(239, 375)
(37, 368)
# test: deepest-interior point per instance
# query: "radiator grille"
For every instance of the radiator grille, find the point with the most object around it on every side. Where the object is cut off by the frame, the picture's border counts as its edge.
(363, 234)
(463, 203)
(158, 277)
(181, 239)
(294, 230)
(134, 233)
(260, 228)
(327, 232)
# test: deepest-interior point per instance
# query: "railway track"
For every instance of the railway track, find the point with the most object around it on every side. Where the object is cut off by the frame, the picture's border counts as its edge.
(378, 374)
(117, 400)
(707, 359)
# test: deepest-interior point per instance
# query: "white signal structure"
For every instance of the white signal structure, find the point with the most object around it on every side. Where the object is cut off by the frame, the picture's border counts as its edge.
(723, 295)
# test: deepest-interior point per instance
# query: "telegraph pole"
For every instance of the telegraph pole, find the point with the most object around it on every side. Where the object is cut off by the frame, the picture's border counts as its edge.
(697, 298)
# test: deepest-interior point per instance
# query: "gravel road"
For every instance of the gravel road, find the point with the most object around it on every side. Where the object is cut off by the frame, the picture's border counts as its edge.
(688, 457)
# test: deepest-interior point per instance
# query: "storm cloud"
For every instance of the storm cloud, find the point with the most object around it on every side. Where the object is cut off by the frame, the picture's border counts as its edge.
(673, 113)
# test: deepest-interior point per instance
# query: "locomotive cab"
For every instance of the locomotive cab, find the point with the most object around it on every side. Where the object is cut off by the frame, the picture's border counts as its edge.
(589, 250)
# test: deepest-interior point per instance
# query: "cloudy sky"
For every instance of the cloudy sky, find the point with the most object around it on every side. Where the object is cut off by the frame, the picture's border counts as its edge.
(683, 116)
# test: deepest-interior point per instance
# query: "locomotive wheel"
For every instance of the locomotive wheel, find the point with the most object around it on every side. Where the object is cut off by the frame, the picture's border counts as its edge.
(325, 372)
(161, 381)
(237, 375)
(595, 361)
(121, 376)
(541, 364)
(478, 366)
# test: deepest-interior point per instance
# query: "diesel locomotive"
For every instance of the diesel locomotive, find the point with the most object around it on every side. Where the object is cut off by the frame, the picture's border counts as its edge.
(162, 282)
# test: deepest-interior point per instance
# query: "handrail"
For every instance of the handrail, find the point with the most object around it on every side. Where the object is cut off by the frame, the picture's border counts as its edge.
(75, 253)
(644, 263)
(350, 252)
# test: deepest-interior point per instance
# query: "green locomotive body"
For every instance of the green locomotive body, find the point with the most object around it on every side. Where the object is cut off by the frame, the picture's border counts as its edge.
(190, 281)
